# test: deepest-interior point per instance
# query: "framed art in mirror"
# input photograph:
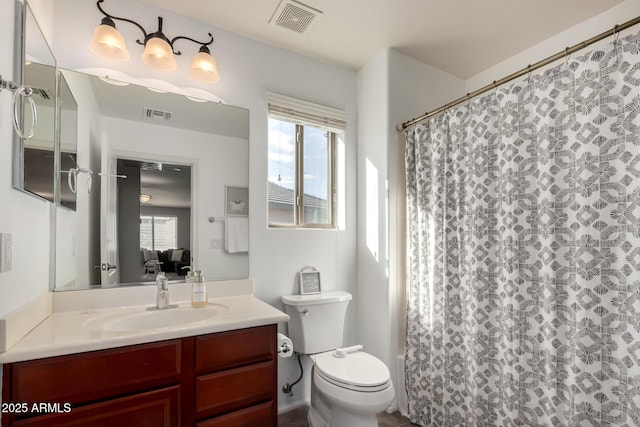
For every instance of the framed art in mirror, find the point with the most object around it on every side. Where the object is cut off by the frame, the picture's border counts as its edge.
(237, 200)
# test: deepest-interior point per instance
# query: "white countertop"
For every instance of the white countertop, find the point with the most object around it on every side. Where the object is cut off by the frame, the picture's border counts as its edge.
(66, 331)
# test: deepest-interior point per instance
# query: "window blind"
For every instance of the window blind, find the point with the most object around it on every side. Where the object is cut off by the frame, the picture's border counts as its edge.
(282, 107)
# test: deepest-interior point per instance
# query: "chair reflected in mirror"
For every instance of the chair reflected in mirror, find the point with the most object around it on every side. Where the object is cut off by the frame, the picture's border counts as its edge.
(174, 262)
(152, 265)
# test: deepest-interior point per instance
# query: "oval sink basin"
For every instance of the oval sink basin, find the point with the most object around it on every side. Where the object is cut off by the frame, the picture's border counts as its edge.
(140, 319)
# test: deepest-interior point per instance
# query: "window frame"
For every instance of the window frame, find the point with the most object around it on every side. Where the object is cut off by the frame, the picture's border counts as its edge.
(298, 197)
(153, 230)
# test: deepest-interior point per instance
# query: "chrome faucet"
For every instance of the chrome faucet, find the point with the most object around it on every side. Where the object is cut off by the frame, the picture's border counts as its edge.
(162, 297)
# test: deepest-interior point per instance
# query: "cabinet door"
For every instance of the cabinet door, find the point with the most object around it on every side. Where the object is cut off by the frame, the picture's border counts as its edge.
(235, 348)
(263, 415)
(159, 408)
(234, 389)
(96, 375)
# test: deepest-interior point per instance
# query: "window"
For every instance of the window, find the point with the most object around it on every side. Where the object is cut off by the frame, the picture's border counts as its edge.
(301, 166)
(158, 233)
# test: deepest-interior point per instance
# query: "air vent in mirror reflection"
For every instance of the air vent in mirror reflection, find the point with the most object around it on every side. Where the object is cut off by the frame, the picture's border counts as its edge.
(153, 114)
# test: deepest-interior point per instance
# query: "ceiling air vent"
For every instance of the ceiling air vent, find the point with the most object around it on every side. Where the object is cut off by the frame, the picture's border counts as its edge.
(42, 93)
(295, 16)
(153, 114)
(151, 166)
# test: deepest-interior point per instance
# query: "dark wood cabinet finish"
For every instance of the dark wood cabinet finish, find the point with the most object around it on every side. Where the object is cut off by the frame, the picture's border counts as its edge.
(227, 378)
(229, 350)
(233, 389)
(256, 416)
(98, 374)
(158, 408)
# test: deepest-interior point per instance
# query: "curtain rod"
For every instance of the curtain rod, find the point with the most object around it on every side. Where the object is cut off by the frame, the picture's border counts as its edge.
(568, 51)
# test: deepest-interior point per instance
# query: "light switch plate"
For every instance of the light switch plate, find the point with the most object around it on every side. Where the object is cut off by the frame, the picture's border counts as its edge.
(6, 249)
(216, 243)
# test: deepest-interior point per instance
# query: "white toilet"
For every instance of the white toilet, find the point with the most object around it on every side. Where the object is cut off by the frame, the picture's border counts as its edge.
(348, 388)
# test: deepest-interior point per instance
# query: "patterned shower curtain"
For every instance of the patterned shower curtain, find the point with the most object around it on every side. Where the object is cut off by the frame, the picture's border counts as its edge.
(523, 269)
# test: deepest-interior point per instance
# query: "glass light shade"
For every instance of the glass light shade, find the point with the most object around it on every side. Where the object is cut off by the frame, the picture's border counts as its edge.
(144, 198)
(108, 43)
(159, 55)
(204, 68)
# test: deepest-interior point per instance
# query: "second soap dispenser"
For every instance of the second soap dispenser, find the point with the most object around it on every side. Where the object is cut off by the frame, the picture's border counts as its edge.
(198, 290)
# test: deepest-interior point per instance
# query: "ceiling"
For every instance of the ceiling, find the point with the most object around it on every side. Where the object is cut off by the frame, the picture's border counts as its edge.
(168, 185)
(462, 37)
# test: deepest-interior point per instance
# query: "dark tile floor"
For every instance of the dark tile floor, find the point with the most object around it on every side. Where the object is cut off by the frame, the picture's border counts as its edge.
(298, 418)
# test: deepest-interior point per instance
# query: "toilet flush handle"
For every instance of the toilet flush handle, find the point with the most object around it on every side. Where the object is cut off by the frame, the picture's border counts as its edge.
(344, 351)
(305, 312)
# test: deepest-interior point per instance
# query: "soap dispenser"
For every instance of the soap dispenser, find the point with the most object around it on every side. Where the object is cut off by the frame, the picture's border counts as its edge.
(162, 296)
(198, 290)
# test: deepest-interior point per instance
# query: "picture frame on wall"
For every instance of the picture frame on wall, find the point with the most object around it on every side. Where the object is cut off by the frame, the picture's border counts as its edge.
(310, 282)
(236, 201)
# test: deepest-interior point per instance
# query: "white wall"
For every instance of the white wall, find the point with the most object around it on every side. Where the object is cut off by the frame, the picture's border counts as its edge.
(24, 217)
(373, 308)
(392, 88)
(248, 69)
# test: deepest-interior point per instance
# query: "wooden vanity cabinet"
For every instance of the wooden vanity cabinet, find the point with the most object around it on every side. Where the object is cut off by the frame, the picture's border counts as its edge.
(223, 379)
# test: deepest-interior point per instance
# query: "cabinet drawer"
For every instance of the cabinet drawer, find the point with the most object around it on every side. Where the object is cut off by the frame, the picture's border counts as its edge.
(160, 408)
(233, 389)
(262, 415)
(236, 348)
(96, 375)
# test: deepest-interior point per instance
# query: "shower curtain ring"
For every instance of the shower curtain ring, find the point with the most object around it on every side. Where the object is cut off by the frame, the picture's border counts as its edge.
(566, 57)
(616, 37)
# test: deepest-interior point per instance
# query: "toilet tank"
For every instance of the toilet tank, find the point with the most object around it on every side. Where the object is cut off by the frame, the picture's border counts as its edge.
(316, 321)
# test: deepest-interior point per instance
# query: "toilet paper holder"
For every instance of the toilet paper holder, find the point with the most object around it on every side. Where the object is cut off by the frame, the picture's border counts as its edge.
(284, 348)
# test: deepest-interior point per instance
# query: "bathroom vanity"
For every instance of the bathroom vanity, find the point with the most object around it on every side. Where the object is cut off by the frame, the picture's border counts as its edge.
(96, 367)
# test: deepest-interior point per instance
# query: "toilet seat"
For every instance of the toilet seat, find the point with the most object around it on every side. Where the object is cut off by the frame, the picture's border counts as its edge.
(358, 371)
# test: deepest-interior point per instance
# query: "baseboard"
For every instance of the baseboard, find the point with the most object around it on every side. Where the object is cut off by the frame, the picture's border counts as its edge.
(291, 406)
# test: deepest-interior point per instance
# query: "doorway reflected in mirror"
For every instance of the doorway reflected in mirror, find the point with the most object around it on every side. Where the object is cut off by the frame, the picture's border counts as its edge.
(154, 220)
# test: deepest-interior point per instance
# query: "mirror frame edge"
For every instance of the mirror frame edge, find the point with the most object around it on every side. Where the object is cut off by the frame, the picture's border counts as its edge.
(19, 49)
(21, 9)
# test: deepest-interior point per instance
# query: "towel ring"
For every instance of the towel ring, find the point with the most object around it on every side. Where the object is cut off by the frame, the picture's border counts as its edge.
(72, 179)
(25, 92)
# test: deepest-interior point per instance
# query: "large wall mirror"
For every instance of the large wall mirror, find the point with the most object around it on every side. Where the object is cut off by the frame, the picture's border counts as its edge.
(151, 176)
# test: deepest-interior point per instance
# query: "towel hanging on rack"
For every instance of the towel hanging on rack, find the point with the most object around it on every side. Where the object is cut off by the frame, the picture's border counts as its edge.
(236, 234)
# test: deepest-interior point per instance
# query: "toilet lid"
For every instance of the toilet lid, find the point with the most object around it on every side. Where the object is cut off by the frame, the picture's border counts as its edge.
(358, 369)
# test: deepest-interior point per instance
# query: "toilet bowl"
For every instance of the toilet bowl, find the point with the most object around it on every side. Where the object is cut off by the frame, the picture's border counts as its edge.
(349, 391)
(348, 387)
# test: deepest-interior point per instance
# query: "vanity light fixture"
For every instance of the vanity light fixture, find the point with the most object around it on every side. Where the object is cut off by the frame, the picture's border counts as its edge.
(144, 198)
(158, 52)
